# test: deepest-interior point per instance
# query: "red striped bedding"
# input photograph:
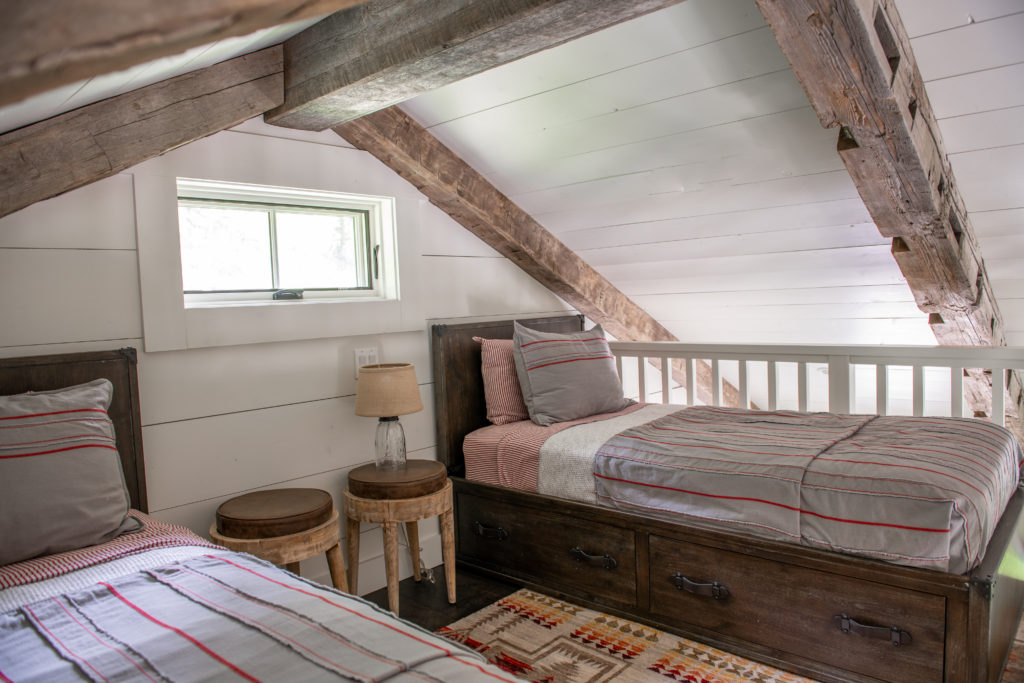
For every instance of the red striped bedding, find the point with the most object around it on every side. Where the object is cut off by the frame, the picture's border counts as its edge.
(923, 492)
(222, 617)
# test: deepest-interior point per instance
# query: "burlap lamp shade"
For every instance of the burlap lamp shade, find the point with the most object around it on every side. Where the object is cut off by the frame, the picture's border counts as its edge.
(385, 391)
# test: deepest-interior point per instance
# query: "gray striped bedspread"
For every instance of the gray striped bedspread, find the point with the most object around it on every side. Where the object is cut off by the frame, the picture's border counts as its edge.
(225, 617)
(924, 492)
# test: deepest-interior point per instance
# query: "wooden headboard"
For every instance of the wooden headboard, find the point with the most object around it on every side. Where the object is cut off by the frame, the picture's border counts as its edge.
(458, 385)
(41, 373)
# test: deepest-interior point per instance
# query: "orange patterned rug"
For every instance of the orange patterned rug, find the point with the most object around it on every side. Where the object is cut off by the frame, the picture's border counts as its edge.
(542, 639)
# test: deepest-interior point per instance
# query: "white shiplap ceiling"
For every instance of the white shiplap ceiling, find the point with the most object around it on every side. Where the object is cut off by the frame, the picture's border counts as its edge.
(678, 154)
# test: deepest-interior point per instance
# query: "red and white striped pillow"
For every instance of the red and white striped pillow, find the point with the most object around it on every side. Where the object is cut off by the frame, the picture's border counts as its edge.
(501, 383)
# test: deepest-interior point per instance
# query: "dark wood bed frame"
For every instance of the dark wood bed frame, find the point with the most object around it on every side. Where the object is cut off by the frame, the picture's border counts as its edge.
(770, 601)
(41, 373)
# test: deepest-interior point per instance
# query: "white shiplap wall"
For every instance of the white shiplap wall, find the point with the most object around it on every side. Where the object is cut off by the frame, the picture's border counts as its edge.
(220, 421)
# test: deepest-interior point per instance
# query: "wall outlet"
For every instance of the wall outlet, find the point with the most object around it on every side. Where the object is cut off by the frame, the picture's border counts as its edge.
(366, 356)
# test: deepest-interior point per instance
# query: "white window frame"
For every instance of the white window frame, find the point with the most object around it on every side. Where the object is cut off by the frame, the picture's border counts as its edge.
(380, 212)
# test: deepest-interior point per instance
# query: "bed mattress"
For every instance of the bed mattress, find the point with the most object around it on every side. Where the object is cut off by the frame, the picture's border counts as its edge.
(923, 492)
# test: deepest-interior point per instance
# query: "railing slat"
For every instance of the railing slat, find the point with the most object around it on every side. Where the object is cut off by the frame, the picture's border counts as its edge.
(882, 389)
(773, 386)
(918, 391)
(744, 387)
(998, 404)
(839, 384)
(716, 383)
(801, 379)
(691, 381)
(641, 372)
(666, 375)
(956, 392)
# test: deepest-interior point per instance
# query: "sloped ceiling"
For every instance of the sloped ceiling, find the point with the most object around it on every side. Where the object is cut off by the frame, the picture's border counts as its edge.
(678, 155)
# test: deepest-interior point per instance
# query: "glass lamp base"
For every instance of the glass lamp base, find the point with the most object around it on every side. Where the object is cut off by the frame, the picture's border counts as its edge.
(390, 444)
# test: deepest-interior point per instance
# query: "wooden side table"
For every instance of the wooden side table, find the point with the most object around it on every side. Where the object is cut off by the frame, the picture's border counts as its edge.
(389, 497)
(283, 526)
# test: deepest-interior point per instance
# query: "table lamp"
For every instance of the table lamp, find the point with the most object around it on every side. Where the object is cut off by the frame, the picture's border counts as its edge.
(385, 391)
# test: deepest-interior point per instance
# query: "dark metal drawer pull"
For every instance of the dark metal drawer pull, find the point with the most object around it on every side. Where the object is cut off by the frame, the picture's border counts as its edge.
(606, 560)
(714, 589)
(495, 532)
(894, 634)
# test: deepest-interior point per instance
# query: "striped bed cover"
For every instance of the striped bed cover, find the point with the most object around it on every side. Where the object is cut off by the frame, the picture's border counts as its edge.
(162, 604)
(225, 617)
(924, 492)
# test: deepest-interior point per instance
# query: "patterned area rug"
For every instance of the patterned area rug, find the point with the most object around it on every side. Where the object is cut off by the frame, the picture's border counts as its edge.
(542, 639)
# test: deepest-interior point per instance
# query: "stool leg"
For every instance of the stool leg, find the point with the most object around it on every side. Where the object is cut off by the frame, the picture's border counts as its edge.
(293, 567)
(391, 563)
(352, 543)
(413, 531)
(336, 564)
(448, 551)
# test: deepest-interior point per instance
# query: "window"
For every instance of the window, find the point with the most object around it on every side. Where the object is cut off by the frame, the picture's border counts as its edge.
(247, 243)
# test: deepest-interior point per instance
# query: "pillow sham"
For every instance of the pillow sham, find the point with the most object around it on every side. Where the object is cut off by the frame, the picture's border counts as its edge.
(502, 395)
(566, 376)
(61, 484)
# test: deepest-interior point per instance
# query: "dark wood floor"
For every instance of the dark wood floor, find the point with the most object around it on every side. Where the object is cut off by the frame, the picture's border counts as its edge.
(426, 603)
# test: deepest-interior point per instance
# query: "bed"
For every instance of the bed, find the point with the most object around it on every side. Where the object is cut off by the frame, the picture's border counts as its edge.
(831, 616)
(93, 588)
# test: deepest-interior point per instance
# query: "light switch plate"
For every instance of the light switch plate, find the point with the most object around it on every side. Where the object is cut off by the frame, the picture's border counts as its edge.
(366, 356)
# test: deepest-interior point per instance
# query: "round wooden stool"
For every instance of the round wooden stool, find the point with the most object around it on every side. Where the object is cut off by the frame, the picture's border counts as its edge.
(389, 497)
(283, 526)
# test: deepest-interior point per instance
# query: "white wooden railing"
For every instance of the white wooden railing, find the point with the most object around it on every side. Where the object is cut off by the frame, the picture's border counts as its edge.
(884, 380)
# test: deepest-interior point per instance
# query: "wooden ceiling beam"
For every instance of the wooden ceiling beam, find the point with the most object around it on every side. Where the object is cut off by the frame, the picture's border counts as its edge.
(855, 62)
(47, 44)
(471, 200)
(59, 154)
(370, 57)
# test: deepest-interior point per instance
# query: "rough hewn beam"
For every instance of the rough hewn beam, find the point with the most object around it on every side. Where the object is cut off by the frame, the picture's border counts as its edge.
(48, 43)
(87, 144)
(465, 195)
(854, 60)
(387, 51)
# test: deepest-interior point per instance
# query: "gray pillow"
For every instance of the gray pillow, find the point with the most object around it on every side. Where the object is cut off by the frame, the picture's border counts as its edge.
(61, 484)
(566, 376)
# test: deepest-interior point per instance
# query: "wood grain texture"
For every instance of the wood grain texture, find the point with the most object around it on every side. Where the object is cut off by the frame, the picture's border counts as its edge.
(473, 202)
(856, 65)
(376, 55)
(44, 45)
(67, 151)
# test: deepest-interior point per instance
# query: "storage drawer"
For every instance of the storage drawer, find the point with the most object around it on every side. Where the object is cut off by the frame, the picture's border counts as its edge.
(794, 609)
(571, 554)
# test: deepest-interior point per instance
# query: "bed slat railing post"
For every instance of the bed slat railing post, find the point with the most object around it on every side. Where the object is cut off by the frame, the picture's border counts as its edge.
(744, 387)
(641, 378)
(802, 387)
(716, 383)
(956, 392)
(691, 381)
(918, 391)
(839, 384)
(882, 389)
(998, 391)
(773, 385)
(666, 375)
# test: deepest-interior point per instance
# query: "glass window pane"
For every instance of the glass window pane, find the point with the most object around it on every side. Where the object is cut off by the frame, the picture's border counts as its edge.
(208, 233)
(320, 250)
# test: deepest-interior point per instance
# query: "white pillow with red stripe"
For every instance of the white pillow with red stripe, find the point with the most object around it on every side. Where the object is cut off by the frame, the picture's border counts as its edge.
(61, 484)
